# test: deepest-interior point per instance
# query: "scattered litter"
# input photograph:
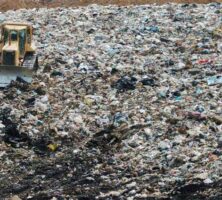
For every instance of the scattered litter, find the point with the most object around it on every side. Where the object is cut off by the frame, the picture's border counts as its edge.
(126, 104)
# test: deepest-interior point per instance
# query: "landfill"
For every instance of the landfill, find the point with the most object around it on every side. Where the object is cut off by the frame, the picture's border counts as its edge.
(126, 104)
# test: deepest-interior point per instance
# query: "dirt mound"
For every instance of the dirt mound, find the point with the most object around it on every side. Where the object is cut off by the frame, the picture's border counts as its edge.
(10, 4)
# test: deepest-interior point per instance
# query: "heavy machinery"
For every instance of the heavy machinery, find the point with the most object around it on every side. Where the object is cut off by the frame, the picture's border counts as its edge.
(18, 58)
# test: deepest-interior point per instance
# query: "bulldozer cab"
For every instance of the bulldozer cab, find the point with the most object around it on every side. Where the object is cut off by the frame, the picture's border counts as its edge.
(16, 34)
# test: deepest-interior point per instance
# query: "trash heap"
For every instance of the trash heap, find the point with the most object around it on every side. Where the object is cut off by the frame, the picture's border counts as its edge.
(126, 105)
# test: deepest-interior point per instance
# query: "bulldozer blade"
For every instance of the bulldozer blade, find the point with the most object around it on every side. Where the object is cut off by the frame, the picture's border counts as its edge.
(11, 73)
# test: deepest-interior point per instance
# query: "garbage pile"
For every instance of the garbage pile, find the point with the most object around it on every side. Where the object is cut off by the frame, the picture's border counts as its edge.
(126, 105)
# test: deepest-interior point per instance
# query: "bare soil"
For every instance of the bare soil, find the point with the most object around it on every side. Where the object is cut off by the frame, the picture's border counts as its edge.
(10, 4)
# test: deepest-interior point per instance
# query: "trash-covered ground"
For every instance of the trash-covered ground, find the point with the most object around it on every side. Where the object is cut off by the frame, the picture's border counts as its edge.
(126, 105)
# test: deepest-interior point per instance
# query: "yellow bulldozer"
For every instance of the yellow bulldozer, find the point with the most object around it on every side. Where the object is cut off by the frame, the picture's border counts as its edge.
(18, 58)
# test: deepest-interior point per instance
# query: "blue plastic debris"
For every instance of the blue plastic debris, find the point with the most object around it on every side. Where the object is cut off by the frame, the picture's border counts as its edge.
(199, 91)
(153, 29)
(213, 80)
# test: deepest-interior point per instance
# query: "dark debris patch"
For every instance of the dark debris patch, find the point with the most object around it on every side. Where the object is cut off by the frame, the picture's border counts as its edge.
(40, 91)
(19, 84)
(125, 83)
(103, 140)
(12, 135)
(30, 102)
(149, 81)
(198, 191)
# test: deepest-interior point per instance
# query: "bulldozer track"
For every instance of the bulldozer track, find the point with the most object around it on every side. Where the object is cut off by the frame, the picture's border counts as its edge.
(30, 61)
